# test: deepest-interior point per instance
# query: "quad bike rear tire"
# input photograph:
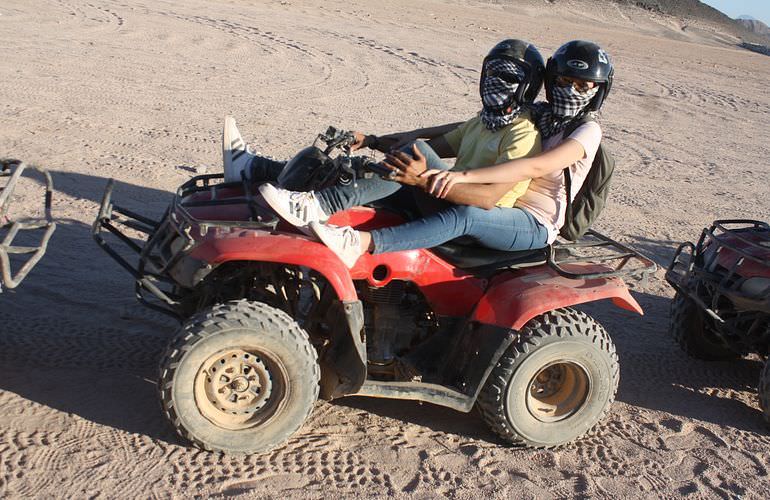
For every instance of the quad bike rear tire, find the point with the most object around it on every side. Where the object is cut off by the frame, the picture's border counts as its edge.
(239, 377)
(764, 391)
(690, 329)
(554, 383)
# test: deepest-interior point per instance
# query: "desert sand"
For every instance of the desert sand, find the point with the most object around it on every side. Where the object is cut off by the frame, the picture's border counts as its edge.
(137, 90)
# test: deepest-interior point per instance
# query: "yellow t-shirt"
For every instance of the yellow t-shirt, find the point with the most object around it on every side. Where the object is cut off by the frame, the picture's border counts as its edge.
(475, 146)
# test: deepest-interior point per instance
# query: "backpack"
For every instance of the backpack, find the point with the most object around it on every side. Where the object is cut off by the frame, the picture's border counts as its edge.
(590, 200)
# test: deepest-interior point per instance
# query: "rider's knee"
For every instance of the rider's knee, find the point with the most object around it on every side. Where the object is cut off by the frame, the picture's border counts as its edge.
(421, 145)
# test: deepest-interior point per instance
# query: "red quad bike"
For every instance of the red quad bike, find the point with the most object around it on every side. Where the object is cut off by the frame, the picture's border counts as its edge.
(38, 229)
(272, 319)
(721, 310)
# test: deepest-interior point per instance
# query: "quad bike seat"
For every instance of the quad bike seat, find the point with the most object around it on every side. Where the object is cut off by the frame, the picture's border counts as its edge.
(465, 253)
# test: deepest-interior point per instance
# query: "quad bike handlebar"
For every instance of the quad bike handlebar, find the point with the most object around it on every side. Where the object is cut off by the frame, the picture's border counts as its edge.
(13, 170)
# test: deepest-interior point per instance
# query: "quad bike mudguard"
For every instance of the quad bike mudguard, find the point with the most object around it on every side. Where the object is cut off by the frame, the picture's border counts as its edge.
(259, 246)
(13, 170)
(512, 301)
(181, 250)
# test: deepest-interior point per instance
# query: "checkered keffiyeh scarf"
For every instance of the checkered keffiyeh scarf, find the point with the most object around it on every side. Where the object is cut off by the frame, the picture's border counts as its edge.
(497, 89)
(567, 104)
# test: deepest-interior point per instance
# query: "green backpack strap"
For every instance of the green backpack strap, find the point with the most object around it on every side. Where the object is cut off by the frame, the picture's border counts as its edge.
(574, 125)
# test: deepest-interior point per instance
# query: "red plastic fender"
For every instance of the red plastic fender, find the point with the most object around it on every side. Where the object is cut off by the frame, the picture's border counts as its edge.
(515, 298)
(449, 291)
(221, 245)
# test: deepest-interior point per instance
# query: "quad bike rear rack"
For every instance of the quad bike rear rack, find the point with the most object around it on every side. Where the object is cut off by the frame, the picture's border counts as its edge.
(168, 239)
(682, 273)
(13, 170)
(616, 259)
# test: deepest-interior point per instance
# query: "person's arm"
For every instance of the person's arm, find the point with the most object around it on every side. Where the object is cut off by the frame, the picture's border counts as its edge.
(408, 169)
(568, 152)
(396, 140)
(483, 196)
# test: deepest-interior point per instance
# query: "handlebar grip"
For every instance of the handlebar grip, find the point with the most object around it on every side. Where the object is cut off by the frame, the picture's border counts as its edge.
(378, 168)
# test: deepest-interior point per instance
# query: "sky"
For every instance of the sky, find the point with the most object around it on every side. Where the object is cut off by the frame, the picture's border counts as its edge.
(734, 8)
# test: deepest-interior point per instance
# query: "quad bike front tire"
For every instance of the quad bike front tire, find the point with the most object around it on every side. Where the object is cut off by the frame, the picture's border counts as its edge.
(690, 329)
(239, 377)
(764, 391)
(554, 383)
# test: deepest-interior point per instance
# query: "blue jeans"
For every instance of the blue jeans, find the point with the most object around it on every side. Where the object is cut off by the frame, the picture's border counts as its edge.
(338, 198)
(499, 228)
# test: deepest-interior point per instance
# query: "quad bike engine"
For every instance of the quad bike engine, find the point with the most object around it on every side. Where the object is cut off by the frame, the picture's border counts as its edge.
(398, 318)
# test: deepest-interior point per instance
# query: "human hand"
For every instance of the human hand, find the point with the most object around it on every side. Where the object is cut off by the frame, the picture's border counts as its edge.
(360, 141)
(407, 169)
(441, 182)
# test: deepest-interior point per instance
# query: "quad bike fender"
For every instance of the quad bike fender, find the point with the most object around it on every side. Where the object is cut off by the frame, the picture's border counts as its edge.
(343, 362)
(260, 246)
(475, 354)
(512, 300)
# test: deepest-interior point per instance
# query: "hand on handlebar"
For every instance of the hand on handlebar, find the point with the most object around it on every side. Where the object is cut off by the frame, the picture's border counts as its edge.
(383, 144)
(360, 141)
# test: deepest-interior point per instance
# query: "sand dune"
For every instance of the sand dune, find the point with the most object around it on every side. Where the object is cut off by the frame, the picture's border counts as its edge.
(137, 90)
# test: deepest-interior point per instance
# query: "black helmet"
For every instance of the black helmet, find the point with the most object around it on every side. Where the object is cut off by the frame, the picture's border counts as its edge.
(583, 60)
(525, 56)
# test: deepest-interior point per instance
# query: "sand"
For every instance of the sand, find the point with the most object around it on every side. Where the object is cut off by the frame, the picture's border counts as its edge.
(137, 90)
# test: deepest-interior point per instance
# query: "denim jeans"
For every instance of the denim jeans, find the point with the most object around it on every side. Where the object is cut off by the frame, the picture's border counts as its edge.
(500, 228)
(338, 198)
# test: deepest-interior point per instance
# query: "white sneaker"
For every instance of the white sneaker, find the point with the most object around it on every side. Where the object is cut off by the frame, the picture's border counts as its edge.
(344, 241)
(298, 208)
(236, 156)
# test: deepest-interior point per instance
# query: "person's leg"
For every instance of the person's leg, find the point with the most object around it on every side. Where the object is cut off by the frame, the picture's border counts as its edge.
(264, 169)
(501, 228)
(302, 208)
(338, 198)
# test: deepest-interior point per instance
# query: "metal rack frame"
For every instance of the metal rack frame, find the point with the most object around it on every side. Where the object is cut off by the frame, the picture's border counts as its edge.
(13, 170)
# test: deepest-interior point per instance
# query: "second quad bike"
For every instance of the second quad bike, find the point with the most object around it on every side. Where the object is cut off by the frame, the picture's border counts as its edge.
(39, 229)
(272, 319)
(721, 310)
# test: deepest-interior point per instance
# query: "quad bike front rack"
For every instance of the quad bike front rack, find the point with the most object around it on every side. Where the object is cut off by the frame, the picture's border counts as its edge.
(13, 170)
(696, 263)
(168, 239)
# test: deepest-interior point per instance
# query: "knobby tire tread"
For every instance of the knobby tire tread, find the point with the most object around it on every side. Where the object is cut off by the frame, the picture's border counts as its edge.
(681, 324)
(764, 391)
(562, 323)
(222, 317)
